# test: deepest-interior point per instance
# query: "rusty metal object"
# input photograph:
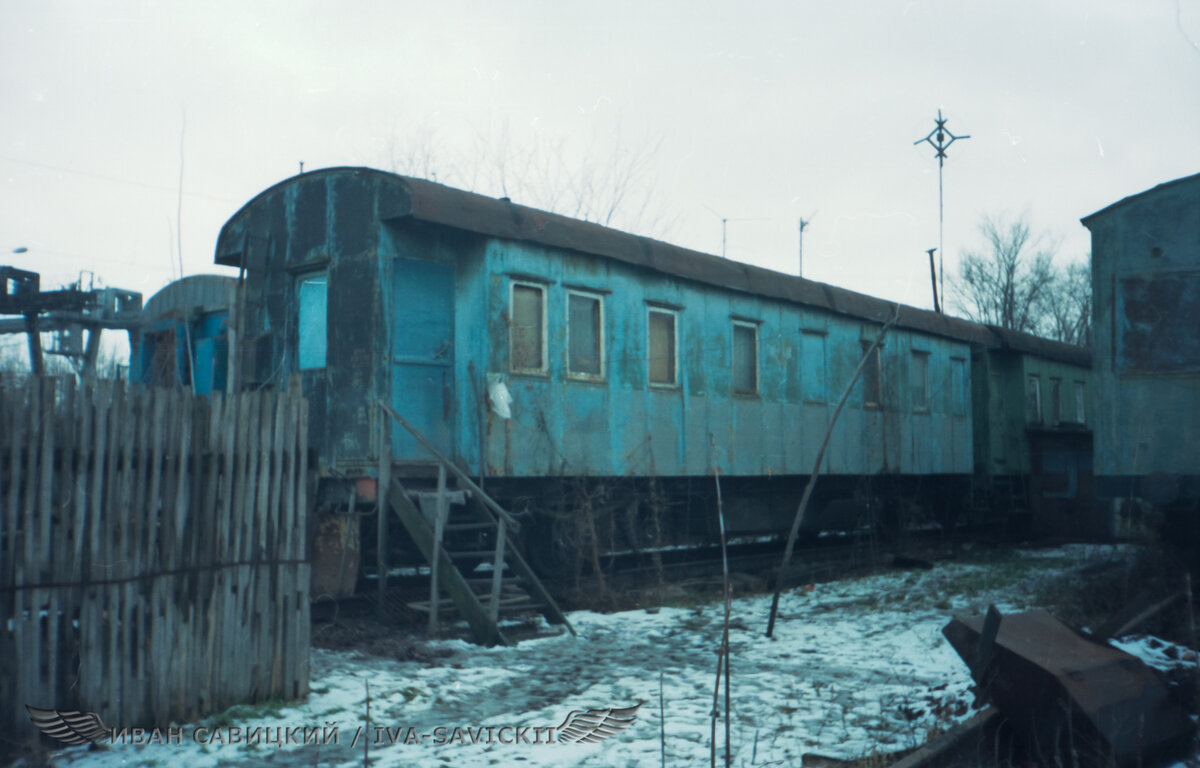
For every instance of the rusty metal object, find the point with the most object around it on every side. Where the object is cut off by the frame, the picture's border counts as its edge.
(1066, 694)
(335, 556)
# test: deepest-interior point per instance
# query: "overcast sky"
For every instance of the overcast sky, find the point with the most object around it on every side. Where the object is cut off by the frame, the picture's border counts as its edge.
(759, 112)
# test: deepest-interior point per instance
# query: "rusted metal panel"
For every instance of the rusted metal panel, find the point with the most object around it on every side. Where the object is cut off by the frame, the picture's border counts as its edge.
(1066, 693)
(1146, 275)
(352, 370)
(1160, 316)
(309, 221)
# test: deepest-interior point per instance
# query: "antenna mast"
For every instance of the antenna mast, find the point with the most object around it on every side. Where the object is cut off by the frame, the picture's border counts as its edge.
(941, 132)
(933, 279)
(724, 225)
(800, 254)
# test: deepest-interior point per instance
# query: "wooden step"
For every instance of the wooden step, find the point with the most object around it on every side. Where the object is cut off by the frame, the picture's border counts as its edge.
(488, 554)
(507, 604)
(454, 497)
(487, 582)
(448, 527)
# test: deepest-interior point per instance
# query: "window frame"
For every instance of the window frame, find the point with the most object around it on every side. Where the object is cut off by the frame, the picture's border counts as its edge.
(925, 357)
(1055, 401)
(600, 345)
(1080, 402)
(1033, 399)
(733, 357)
(674, 315)
(872, 405)
(303, 349)
(542, 288)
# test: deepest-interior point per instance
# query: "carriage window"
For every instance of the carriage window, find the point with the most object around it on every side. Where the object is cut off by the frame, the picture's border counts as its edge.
(527, 329)
(585, 336)
(920, 380)
(745, 358)
(812, 366)
(872, 383)
(313, 301)
(958, 381)
(1034, 406)
(662, 347)
(1080, 413)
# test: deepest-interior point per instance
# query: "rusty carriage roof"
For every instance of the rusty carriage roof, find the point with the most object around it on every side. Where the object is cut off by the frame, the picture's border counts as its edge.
(404, 197)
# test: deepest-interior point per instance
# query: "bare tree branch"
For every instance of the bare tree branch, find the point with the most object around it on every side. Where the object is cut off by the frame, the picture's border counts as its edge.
(1012, 282)
(599, 177)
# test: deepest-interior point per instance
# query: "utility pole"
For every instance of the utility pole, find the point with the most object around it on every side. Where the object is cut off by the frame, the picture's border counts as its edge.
(941, 132)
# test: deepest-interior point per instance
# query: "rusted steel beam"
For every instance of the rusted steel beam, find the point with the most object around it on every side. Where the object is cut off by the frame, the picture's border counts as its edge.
(1063, 691)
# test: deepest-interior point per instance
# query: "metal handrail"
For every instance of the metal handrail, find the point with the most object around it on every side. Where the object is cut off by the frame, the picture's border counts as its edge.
(463, 477)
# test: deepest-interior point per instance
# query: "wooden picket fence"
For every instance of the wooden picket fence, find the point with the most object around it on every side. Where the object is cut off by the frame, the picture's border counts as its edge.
(152, 551)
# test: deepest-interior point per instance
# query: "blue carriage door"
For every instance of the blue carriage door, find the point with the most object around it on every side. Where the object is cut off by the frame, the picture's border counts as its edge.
(423, 356)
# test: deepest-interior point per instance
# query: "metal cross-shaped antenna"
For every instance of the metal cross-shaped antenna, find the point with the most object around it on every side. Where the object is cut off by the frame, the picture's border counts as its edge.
(941, 132)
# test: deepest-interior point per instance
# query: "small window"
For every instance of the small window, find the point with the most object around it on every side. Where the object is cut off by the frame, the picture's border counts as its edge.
(312, 322)
(958, 381)
(661, 350)
(1035, 400)
(871, 378)
(920, 380)
(1080, 411)
(1055, 401)
(745, 358)
(585, 336)
(812, 366)
(527, 329)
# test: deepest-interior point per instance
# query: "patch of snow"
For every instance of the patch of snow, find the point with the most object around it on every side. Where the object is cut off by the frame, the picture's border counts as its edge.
(855, 666)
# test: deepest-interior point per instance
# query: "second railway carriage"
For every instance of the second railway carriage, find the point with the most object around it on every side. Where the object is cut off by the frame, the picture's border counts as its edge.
(1032, 403)
(185, 335)
(567, 365)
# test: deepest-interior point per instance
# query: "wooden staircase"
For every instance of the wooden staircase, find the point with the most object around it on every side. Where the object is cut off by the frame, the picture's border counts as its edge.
(510, 588)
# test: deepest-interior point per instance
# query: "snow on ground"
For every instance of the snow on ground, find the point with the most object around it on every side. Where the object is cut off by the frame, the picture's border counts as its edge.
(855, 666)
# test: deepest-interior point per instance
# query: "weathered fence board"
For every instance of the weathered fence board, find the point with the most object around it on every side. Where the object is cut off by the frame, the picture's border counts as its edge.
(152, 561)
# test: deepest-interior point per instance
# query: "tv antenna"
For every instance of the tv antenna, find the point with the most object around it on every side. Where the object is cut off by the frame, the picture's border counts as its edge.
(800, 253)
(725, 223)
(941, 133)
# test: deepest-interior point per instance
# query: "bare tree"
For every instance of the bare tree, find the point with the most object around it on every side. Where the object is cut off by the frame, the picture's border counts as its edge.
(1008, 282)
(597, 176)
(1068, 303)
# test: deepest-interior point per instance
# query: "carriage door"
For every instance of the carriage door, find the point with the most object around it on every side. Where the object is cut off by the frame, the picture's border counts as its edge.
(423, 356)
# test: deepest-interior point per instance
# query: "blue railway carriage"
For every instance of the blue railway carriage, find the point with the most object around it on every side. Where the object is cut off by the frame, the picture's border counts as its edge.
(566, 364)
(184, 335)
(1146, 299)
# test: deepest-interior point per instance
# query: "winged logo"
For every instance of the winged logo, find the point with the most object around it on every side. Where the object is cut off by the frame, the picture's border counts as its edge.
(69, 727)
(594, 725)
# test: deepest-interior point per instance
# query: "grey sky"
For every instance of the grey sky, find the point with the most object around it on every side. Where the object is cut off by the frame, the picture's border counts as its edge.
(765, 111)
